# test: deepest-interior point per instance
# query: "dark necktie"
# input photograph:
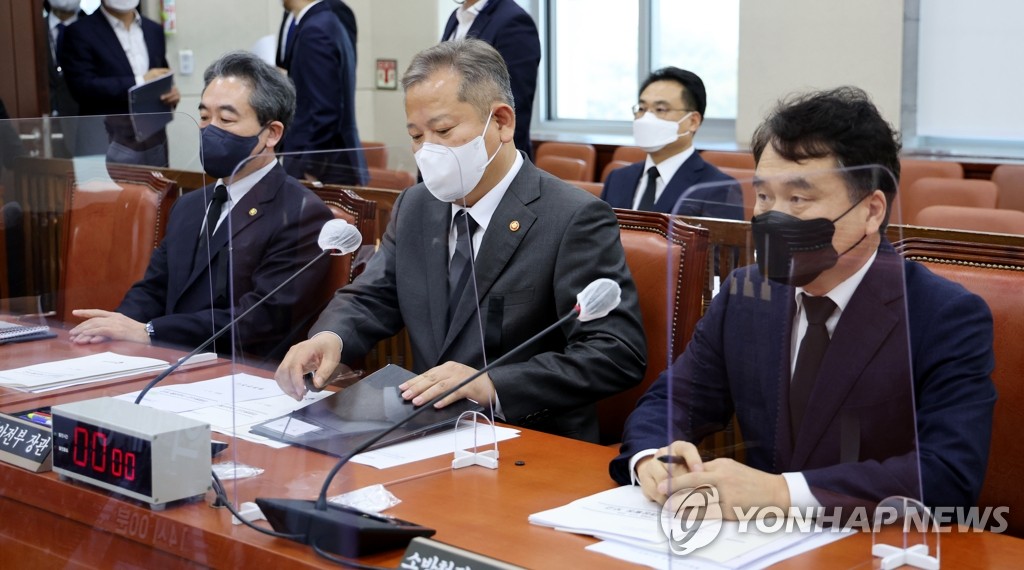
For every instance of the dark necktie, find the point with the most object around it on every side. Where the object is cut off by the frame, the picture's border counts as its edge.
(289, 35)
(220, 196)
(460, 269)
(647, 201)
(808, 360)
(56, 44)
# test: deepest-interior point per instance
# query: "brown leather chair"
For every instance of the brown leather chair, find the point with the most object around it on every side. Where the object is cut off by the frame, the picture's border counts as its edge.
(376, 154)
(989, 220)
(393, 179)
(570, 169)
(585, 152)
(361, 213)
(656, 244)
(914, 169)
(110, 230)
(729, 159)
(629, 154)
(1010, 180)
(613, 165)
(996, 273)
(945, 192)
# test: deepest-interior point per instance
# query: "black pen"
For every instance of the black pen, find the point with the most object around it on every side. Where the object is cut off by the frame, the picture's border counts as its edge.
(308, 379)
(672, 459)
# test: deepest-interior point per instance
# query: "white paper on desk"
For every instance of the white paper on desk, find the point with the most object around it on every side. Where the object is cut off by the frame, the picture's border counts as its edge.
(200, 358)
(238, 418)
(757, 559)
(621, 512)
(196, 395)
(442, 443)
(92, 368)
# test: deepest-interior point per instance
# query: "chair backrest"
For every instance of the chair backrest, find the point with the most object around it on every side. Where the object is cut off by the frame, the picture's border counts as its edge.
(745, 176)
(376, 154)
(669, 262)
(613, 165)
(393, 179)
(110, 230)
(585, 152)
(629, 154)
(996, 273)
(990, 220)
(944, 192)
(564, 167)
(729, 159)
(361, 213)
(1010, 180)
(914, 169)
(594, 188)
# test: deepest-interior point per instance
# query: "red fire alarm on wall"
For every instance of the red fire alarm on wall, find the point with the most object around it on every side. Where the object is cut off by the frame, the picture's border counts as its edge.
(387, 74)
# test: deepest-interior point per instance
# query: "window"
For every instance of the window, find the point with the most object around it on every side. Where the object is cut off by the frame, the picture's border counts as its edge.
(599, 51)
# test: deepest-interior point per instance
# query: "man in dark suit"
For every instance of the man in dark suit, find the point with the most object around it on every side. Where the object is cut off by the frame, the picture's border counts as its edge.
(264, 226)
(345, 16)
(836, 404)
(60, 15)
(104, 55)
(540, 242)
(321, 63)
(507, 27)
(666, 118)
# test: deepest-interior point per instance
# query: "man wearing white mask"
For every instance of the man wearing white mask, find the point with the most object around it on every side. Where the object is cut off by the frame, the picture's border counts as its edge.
(666, 118)
(104, 55)
(480, 257)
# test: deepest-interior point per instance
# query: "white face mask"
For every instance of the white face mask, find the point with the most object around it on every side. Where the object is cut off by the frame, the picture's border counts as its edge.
(653, 134)
(451, 173)
(122, 5)
(66, 5)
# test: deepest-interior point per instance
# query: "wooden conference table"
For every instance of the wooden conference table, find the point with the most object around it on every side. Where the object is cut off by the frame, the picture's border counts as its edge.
(45, 522)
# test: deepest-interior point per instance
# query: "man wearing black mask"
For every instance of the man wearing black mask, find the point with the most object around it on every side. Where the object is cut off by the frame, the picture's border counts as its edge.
(272, 221)
(854, 375)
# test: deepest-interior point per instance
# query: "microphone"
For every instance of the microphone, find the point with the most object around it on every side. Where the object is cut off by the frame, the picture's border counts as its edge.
(337, 237)
(352, 533)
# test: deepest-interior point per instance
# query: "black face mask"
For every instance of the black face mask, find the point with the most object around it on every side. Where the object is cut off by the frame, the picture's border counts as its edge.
(223, 151)
(792, 251)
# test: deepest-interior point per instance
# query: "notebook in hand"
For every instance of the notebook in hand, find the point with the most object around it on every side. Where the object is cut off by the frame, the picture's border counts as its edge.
(149, 114)
(339, 423)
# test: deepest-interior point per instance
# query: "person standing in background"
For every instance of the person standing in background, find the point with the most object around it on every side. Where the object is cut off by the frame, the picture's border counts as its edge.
(345, 16)
(321, 63)
(103, 56)
(511, 30)
(59, 15)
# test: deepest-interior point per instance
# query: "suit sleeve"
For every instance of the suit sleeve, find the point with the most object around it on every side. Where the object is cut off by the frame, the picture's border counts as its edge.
(601, 357)
(367, 310)
(147, 298)
(291, 244)
(953, 361)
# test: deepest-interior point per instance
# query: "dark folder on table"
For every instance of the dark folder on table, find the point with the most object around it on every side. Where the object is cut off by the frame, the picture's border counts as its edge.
(340, 422)
(149, 114)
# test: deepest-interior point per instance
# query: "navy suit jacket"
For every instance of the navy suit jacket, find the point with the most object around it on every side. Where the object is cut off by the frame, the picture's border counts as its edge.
(857, 440)
(716, 202)
(322, 65)
(545, 242)
(507, 27)
(274, 231)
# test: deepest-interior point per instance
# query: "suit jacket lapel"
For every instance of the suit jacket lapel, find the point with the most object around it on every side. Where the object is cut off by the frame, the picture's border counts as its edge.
(113, 46)
(482, 19)
(499, 243)
(436, 221)
(875, 309)
(688, 172)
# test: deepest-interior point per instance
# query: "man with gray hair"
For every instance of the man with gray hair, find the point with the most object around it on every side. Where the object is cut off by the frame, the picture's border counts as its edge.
(480, 257)
(271, 220)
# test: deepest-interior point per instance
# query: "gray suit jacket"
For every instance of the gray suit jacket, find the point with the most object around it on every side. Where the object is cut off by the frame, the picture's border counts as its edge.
(546, 241)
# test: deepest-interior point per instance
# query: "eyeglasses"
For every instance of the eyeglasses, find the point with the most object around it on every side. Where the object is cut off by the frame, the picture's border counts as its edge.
(659, 111)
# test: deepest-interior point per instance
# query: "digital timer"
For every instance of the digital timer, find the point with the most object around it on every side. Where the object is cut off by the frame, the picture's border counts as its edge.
(146, 454)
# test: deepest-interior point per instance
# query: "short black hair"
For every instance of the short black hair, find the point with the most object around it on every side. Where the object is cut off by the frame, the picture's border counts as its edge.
(841, 123)
(272, 95)
(694, 96)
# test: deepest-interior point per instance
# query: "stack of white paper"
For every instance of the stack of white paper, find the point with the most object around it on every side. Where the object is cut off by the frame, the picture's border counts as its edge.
(631, 529)
(82, 370)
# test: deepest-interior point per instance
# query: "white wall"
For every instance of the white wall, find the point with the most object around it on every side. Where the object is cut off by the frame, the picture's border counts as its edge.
(788, 46)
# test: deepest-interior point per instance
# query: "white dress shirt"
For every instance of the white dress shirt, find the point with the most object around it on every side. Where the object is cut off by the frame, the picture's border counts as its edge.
(286, 37)
(466, 17)
(132, 42)
(666, 170)
(239, 188)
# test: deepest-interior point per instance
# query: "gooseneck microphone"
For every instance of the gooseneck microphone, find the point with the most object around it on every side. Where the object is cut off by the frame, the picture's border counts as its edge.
(352, 533)
(337, 237)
